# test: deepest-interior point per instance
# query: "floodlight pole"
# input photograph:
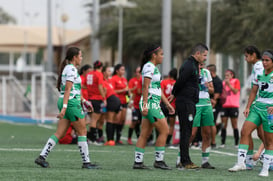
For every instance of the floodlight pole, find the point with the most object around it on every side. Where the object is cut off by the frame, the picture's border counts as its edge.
(49, 63)
(166, 35)
(120, 34)
(208, 30)
(95, 42)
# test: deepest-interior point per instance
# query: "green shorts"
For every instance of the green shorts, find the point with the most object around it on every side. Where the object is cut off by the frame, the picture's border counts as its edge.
(154, 109)
(258, 117)
(73, 111)
(203, 117)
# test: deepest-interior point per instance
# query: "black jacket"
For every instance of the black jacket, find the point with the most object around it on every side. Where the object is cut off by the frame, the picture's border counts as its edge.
(186, 88)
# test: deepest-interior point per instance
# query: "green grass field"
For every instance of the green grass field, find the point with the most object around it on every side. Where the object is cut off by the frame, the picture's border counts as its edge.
(20, 144)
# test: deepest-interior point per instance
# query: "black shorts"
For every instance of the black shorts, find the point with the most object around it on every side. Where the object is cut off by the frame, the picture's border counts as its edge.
(122, 106)
(230, 112)
(136, 115)
(166, 111)
(113, 104)
(97, 105)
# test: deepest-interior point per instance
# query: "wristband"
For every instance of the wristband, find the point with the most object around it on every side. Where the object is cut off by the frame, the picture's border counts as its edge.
(64, 105)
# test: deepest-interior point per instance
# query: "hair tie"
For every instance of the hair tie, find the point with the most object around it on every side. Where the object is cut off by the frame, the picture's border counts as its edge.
(153, 50)
(269, 54)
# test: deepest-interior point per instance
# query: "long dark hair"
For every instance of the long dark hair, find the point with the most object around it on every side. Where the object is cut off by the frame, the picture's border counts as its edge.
(117, 67)
(147, 55)
(253, 49)
(84, 68)
(70, 53)
(173, 73)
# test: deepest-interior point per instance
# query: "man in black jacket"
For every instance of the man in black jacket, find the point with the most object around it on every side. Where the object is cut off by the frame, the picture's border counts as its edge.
(186, 91)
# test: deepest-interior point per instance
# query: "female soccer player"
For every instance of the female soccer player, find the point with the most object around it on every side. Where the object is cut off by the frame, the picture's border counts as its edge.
(96, 94)
(261, 112)
(69, 104)
(167, 87)
(152, 115)
(231, 86)
(113, 106)
(120, 86)
(135, 86)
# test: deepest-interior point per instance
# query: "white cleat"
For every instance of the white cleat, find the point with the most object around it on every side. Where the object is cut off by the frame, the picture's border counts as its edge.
(237, 167)
(264, 173)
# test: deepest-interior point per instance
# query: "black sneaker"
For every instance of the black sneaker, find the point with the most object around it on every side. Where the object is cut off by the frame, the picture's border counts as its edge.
(90, 166)
(162, 165)
(213, 146)
(207, 166)
(140, 166)
(42, 162)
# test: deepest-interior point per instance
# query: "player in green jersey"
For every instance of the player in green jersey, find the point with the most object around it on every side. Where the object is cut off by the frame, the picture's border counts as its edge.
(261, 112)
(69, 104)
(152, 115)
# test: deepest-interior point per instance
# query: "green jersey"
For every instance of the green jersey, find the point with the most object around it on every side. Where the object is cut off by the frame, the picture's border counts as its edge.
(265, 95)
(70, 73)
(204, 99)
(151, 71)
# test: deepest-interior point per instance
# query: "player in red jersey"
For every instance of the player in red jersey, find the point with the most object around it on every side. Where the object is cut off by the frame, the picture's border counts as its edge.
(135, 85)
(83, 71)
(96, 94)
(113, 106)
(120, 86)
(167, 87)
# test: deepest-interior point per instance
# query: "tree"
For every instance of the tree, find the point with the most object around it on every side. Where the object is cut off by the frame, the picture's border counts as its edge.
(5, 18)
(142, 25)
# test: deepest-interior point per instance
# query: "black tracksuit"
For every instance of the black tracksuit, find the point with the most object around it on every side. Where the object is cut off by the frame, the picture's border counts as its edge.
(186, 91)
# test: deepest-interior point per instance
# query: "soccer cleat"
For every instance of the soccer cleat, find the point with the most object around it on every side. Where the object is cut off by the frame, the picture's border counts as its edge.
(222, 146)
(119, 142)
(162, 165)
(110, 143)
(191, 166)
(129, 141)
(42, 162)
(207, 166)
(90, 166)
(213, 146)
(100, 140)
(264, 173)
(249, 166)
(140, 166)
(237, 167)
(95, 143)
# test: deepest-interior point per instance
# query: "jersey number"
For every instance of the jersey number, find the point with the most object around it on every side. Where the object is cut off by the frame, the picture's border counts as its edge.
(89, 80)
(169, 89)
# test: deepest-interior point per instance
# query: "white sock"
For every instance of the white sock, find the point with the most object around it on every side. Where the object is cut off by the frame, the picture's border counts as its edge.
(83, 146)
(205, 157)
(241, 156)
(159, 155)
(139, 155)
(267, 160)
(51, 142)
(249, 159)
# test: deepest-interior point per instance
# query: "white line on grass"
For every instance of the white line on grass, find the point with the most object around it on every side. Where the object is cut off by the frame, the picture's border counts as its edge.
(98, 151)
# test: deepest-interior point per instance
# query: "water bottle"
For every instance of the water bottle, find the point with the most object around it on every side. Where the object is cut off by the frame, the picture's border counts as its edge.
(103, 108)
(270, 119)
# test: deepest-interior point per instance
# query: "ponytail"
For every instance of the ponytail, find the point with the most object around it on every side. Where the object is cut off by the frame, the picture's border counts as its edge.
(147, 55)
(63, 64)
(71, 52)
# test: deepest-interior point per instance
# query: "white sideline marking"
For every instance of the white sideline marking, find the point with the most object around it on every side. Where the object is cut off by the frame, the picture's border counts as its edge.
(98, 151)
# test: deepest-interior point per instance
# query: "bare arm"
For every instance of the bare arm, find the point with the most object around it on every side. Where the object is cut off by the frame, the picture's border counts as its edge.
(146, 84)
(251, 98)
